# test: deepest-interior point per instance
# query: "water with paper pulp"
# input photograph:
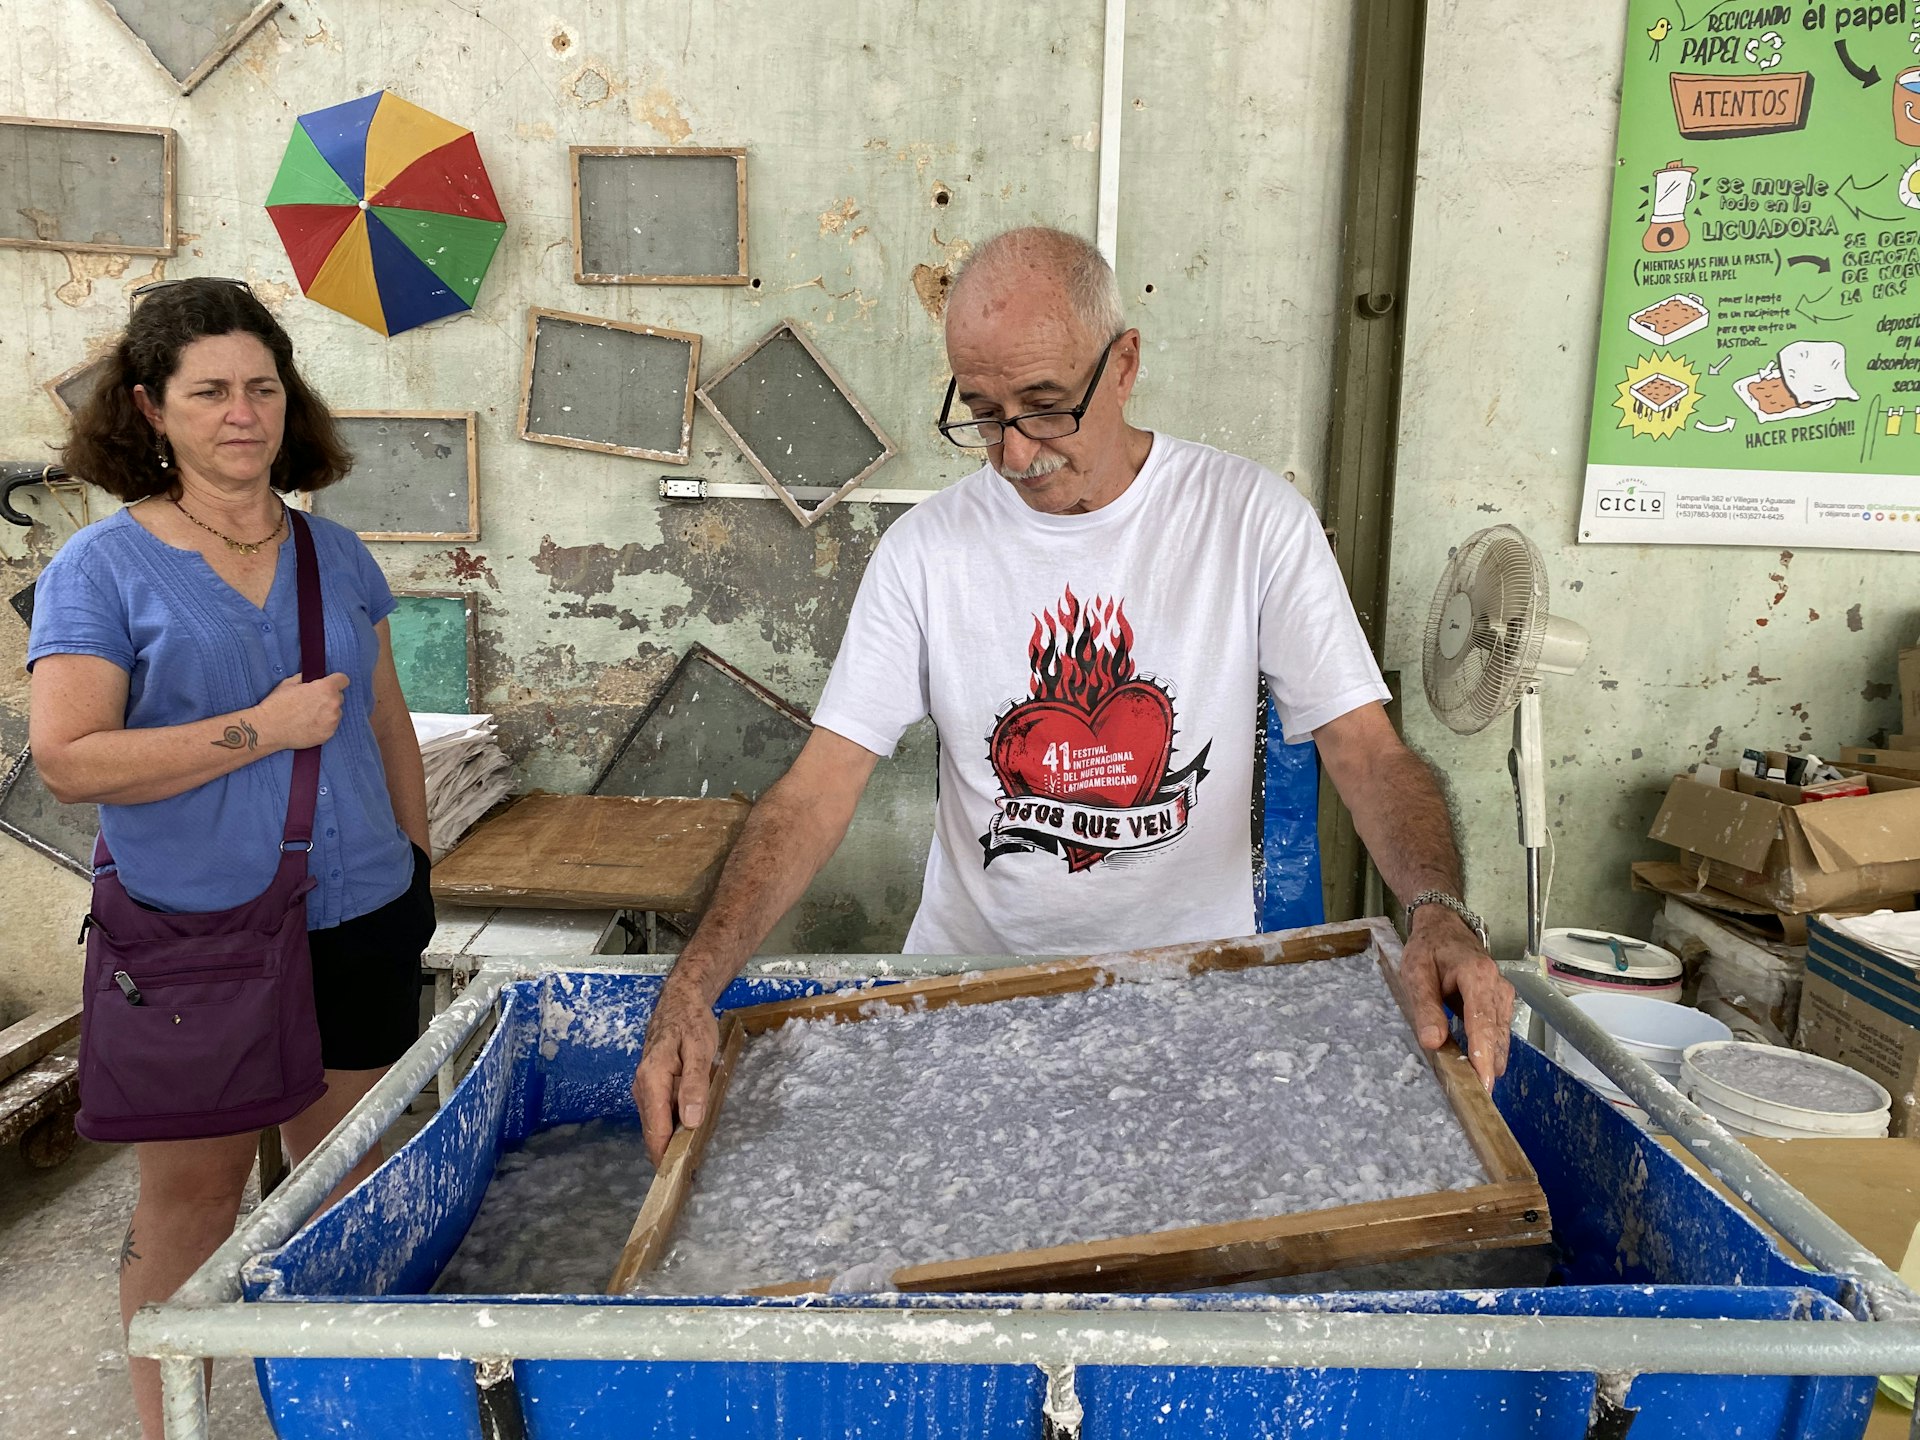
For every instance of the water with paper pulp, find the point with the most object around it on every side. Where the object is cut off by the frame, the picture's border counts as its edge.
(912, 1137)
(1785, 1079)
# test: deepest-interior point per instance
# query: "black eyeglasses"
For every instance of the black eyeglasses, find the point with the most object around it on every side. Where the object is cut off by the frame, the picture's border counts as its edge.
(135, 295)
(1039, 425)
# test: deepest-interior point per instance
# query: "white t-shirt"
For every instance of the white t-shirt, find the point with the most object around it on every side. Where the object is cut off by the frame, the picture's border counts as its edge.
(1095, 679)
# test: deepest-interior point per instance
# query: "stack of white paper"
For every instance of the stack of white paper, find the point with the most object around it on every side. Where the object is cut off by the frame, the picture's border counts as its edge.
(1892, 932)
(467, 775)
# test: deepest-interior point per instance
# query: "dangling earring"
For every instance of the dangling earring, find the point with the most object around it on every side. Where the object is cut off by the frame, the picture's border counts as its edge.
(160, 451)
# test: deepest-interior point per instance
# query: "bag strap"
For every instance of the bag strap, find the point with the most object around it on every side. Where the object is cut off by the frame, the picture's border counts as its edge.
(301, 798)
(297, 835)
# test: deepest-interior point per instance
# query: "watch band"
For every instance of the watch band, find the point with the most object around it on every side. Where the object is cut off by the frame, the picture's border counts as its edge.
(1453, 903)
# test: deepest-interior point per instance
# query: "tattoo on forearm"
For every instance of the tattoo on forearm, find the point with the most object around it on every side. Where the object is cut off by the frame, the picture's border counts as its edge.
(127, 1253)
(239, 736)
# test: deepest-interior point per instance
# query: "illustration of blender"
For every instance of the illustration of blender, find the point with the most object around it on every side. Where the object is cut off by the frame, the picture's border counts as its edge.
(1672, 193)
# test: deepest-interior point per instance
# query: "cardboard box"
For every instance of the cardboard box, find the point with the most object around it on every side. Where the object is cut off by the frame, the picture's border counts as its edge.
(1876, 761)
(1754, 839)
(1910, 690)
(1861, 1006)
(1757, 922)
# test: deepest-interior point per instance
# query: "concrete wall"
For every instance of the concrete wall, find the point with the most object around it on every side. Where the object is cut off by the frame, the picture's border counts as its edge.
(884, 141)
(1696, 652)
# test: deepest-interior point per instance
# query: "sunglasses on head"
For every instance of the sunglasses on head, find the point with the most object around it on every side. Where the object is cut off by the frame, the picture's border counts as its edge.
(140, 292)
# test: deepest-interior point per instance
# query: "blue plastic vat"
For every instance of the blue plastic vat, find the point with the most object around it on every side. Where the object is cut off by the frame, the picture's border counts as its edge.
(1638, 1237)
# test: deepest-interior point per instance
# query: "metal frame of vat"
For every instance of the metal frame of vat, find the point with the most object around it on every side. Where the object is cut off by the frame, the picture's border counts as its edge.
(207, 1319)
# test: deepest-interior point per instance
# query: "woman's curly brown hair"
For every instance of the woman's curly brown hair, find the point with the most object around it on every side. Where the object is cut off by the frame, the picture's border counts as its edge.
(110, 443)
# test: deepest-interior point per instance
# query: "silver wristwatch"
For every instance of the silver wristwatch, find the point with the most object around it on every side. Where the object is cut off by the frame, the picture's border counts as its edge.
(1453, 903)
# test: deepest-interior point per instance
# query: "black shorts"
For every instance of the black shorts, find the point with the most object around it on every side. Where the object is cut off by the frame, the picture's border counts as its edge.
(366, 978)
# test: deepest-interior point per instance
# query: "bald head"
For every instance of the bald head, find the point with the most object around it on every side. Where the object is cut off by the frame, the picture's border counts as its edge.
(1038, 266)
(1042, 355)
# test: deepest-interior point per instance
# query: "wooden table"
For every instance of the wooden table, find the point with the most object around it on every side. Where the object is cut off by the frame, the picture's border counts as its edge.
(1869, 1188)
(659, 854)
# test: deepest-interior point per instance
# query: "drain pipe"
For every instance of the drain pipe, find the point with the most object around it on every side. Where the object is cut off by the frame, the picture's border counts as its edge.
(1061, 1412)
(1112, 73)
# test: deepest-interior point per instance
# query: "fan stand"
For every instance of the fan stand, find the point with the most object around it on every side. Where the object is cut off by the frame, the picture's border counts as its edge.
(1527, 765)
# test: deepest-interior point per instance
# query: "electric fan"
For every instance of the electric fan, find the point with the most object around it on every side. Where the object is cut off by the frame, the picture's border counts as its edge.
(1488, 640)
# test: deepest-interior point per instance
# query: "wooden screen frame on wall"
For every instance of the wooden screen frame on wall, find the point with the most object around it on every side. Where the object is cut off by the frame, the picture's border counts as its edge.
(682, 456)
(799, 512)
(471, 420)
(169, 149)
(470, 603)
(212, 59)
(77, 864)
(580, 274)
(74, 372)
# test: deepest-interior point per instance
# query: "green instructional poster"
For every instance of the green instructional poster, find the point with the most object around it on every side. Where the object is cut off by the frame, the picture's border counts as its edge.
(1758, 379)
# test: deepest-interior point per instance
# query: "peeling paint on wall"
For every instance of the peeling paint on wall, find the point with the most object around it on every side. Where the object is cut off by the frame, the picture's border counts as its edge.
(83, 271)
(834, 219)
(740, 561)
(660, 110)
(463, 566)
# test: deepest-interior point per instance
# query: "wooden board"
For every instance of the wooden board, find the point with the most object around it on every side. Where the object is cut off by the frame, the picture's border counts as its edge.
(668, 1192)
(40, 1033)
(84, 188)
(44, 1088)
(659, 214)
(579, 852)
(1510, 1209)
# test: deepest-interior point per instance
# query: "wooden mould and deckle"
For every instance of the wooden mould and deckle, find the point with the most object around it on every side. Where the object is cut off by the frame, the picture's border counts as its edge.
(1508, 1210)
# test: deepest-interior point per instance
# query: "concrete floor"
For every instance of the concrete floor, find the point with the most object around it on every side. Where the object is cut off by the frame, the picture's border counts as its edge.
(63, 1367)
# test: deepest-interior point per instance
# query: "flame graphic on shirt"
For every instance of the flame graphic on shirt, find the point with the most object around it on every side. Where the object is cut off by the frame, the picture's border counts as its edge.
(1080, 654)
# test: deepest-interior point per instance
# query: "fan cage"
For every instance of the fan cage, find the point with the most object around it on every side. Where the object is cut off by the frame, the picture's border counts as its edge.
(1501, 574)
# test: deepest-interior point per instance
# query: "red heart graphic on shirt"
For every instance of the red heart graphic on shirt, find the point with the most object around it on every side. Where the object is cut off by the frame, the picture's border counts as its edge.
(1039, 745)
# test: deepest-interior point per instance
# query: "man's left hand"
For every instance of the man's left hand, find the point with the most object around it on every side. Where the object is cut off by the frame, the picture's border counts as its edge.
(1443, 961)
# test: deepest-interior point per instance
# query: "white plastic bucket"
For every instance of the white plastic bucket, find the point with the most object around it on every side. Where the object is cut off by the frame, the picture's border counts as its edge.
(1582, 961)
(1794, 1095)
(1657, 1031)
(1743, 1124)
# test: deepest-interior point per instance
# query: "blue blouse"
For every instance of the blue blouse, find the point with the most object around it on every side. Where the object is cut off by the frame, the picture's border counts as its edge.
(193, 647)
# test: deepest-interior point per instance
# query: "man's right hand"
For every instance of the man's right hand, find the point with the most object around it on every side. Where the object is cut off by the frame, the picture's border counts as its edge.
(676, 1065)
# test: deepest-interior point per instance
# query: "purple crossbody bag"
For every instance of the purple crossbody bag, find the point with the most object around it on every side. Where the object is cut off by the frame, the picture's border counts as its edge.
(203, 1025)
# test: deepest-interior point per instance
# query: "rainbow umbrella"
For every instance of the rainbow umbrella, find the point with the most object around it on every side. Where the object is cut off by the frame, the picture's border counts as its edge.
(386, 212)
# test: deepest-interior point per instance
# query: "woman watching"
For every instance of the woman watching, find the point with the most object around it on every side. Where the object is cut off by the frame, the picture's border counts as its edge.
(167, 689)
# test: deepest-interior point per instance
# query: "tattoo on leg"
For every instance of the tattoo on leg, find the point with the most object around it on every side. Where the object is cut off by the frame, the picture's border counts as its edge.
(127, 1253)
(238, 736)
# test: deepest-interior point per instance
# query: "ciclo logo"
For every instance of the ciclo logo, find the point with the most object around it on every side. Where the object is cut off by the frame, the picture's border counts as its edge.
(1632, 503)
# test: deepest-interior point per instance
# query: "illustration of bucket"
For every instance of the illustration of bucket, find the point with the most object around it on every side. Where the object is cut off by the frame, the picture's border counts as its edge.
(1906, 108)
(1672, 193)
